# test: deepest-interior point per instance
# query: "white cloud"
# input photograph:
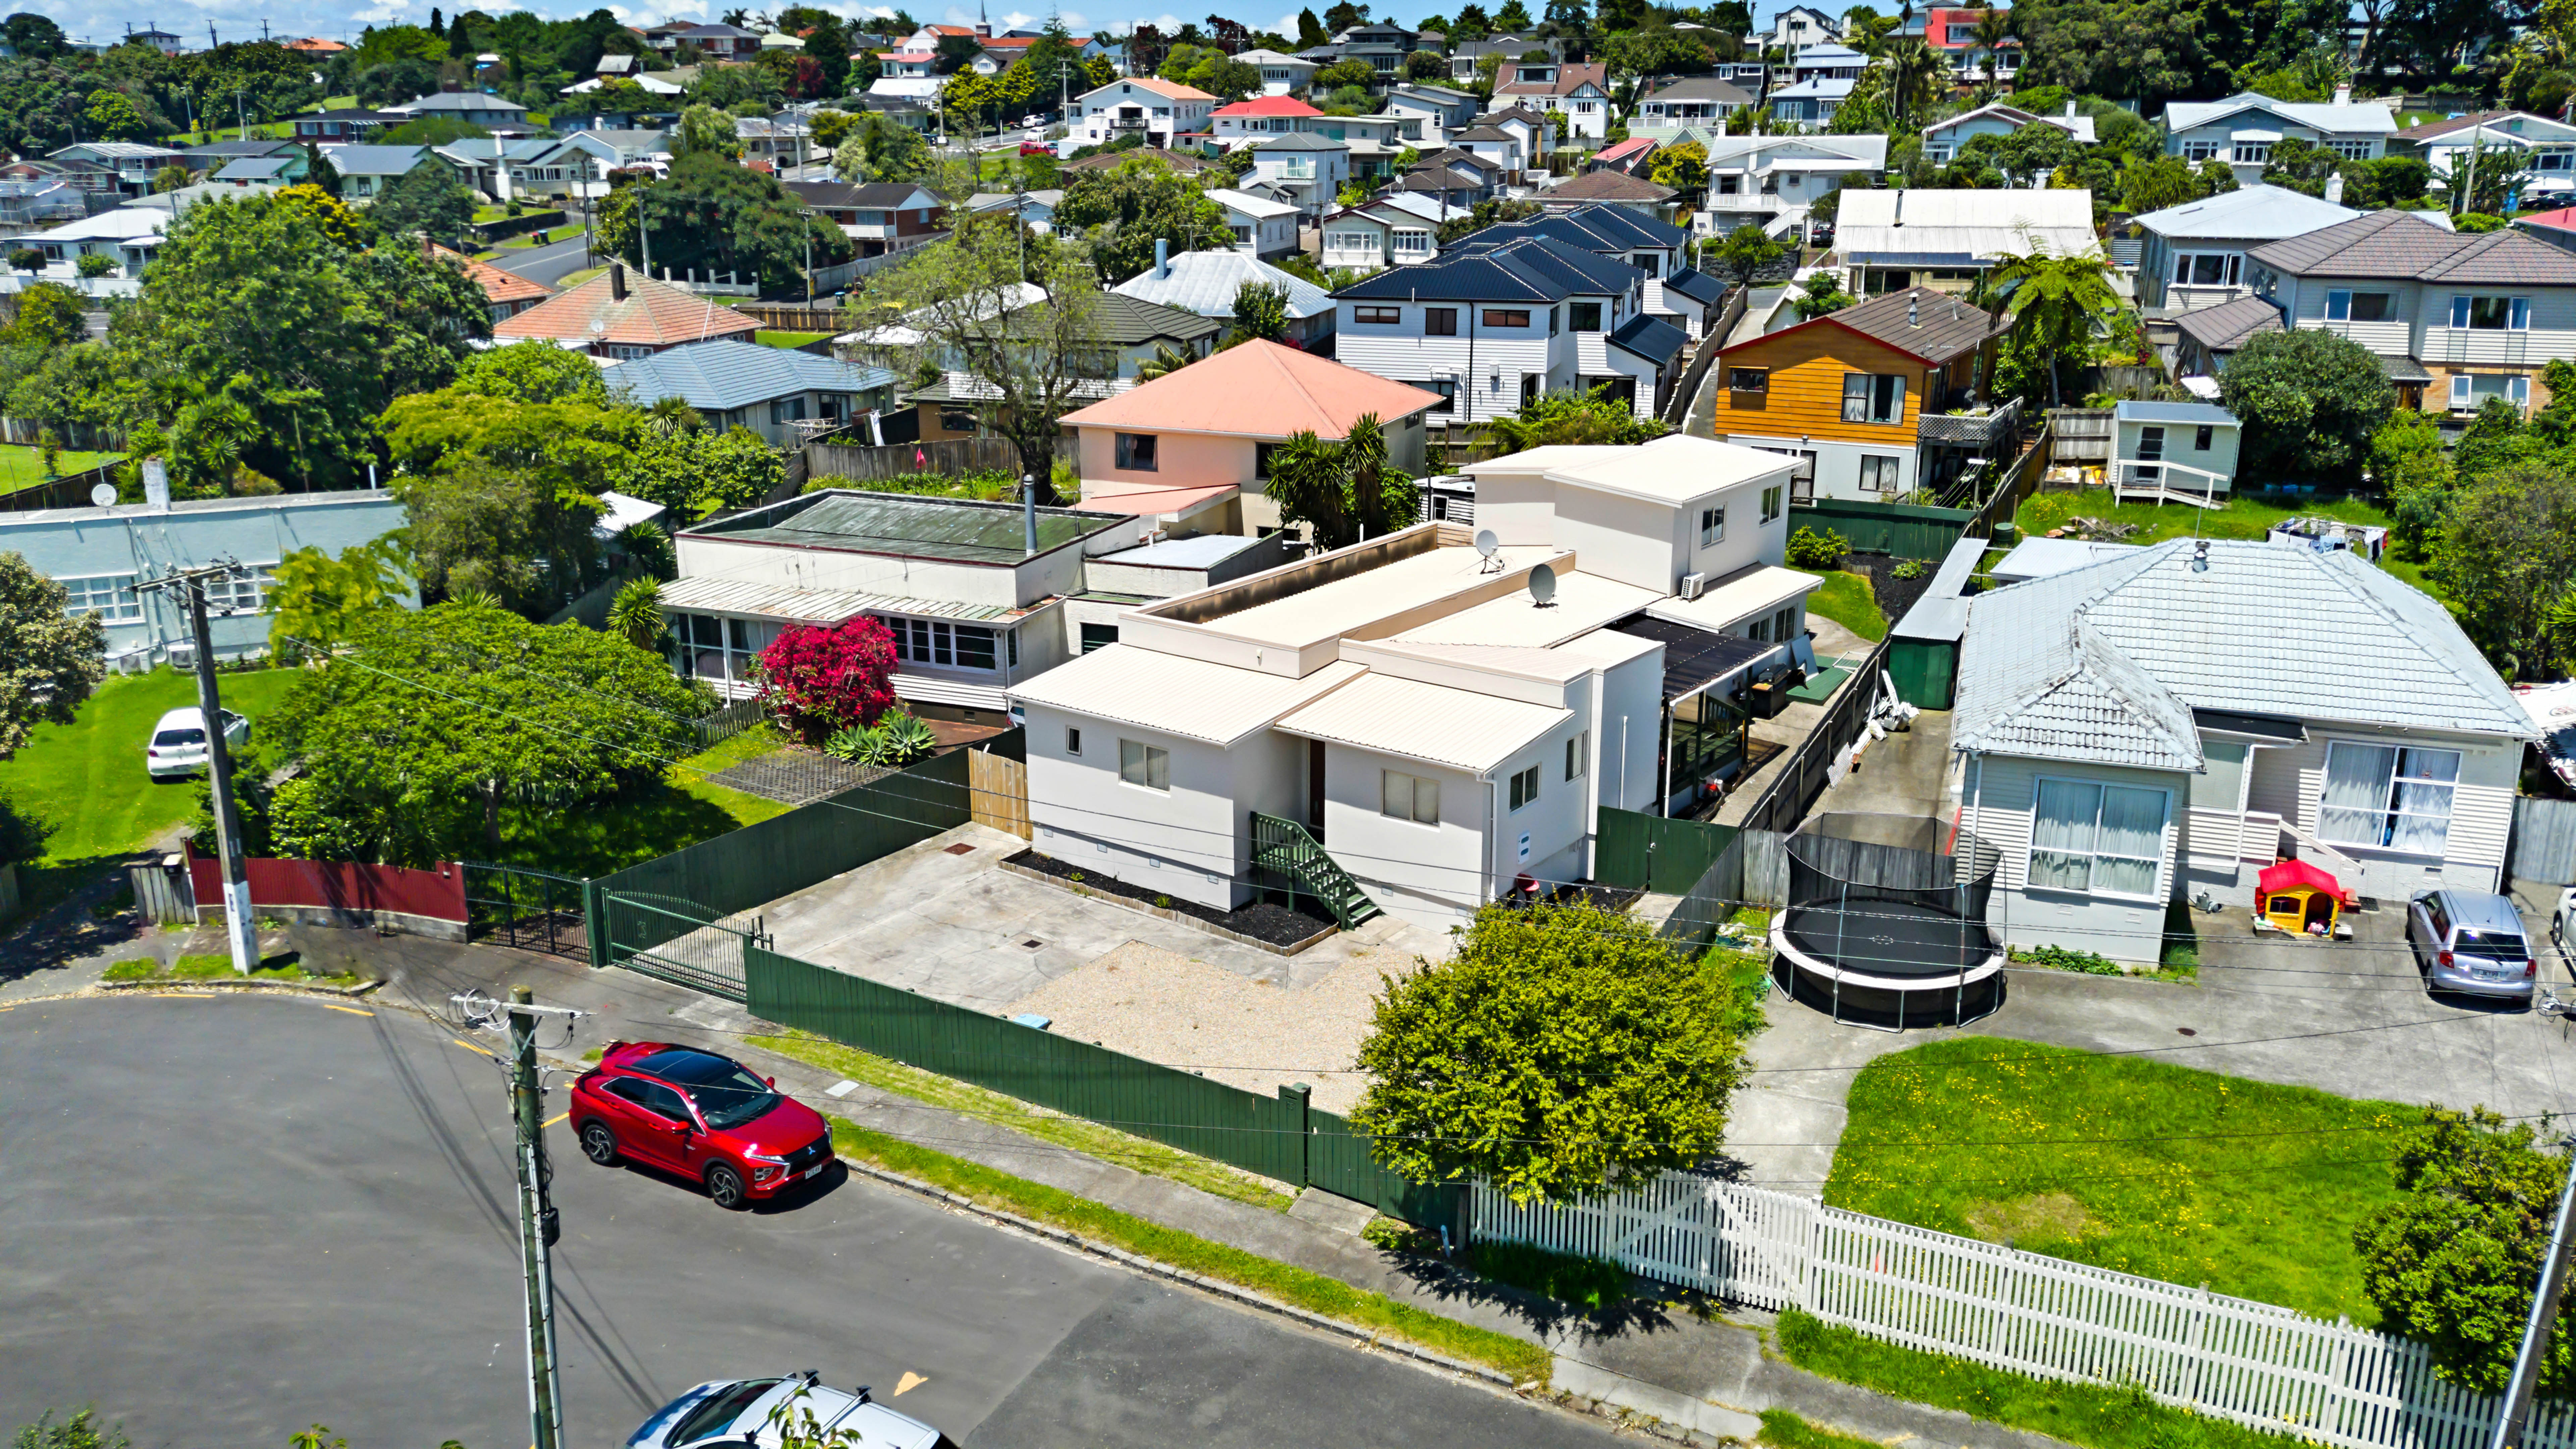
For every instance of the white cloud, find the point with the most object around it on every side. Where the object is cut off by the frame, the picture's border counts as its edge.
(1166, 22)
(1074, 20)
(1016, 19)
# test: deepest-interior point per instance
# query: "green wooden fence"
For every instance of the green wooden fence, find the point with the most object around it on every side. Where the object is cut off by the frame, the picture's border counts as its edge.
(1904, 530)
(1278, 1137)
(1653, 853)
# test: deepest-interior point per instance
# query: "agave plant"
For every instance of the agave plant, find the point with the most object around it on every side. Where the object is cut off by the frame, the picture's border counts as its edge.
(901, 739)
(854, 744)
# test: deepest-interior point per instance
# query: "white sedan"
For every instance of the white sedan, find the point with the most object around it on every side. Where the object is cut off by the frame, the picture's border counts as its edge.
(179, 742)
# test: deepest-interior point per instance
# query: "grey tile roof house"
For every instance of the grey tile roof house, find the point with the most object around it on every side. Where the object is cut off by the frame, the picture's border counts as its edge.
(2164, 722)
(744, 384)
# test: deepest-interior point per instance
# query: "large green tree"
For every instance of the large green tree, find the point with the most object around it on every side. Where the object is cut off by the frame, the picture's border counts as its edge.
(1563, 1050)
(2053, 303)
(2505, 557)
(417, 737)
(1124, 210)
(1342, 492)
(253, 321)
(2310, 402)
(430, 200)
(49, 660)
(714, 216)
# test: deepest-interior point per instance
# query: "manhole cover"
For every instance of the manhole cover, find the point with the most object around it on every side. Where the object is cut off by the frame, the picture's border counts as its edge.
(961, 848)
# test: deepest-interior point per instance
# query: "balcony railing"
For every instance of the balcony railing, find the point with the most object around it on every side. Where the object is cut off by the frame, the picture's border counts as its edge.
(1986, 430)
(1744, 201)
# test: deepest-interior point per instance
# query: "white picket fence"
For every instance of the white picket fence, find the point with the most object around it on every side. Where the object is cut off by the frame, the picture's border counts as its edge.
(2259, 1364)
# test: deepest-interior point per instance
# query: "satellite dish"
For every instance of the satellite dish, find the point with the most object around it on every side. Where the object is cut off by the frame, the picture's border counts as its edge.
(103, 495)
(1542, 586)
(1486, 543)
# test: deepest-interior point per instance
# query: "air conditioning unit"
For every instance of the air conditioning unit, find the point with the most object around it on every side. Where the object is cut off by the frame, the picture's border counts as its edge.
(1693, 585)
(183, 656)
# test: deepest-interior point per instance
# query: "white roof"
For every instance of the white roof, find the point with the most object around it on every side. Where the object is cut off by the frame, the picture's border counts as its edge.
(1177, 695)
(2258, 212)
(1728, 153)
(1673, 469)
(624, 512)
(1753, 589)
(121, 223)
(1455, 727)
(2035, 558)
(2357, 118)
(2058, 221)
(1330, 610)
(1271, 57)
(1584, 602)
(1250, 205)
(2080, 127)
(1205, 283)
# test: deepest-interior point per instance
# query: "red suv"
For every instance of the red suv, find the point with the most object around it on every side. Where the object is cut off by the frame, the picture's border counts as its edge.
(700, 1115)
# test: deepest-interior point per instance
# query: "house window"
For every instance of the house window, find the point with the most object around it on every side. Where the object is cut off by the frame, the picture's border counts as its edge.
(936, 641)
(1507, 317)
(2344, 306)
(1771, 500)
(956, 419)
(1524, 787)
(1413, 241)
(1351, 241)
(2491, 314)
(2201, 439)
(1873, 397)
(243, 593)
(2197, 151)
(2151, 445)
(1447, 387)
(1098, 636)
(1784, 624)
(1880, 473)
(110, 596)
(1072, 740)
(2390, 796)
(2350, 150)
(1377, 316)
(1149, 766)
(1408, 797)
(1136, 452)
(1587, 316)
(2206, 269)
(2252, 153)
(2105, 839)
(1578, 754)
(1439, 321)
(1748, 379)
(2461, 399)
(1712, 526)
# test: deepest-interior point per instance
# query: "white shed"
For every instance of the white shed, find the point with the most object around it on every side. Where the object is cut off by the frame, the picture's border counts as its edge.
(2161, 448)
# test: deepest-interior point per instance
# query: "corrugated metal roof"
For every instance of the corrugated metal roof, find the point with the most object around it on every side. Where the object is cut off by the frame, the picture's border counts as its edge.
(724, 374)
(1205, 283)
(904, 524)
(1177, 695)
(2105, 662)
(1656, 341)
(2249, 212)
(1458, 728)
(2367, 118)
(811, 606)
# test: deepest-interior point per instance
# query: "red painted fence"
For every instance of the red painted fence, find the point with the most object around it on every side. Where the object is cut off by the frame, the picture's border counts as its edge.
(438, 894)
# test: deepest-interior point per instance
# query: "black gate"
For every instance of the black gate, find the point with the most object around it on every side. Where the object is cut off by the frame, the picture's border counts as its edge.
(535, 910)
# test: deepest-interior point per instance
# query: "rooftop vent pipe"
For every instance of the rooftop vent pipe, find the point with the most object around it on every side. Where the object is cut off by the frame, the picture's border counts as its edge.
(1162, 257)
(1029, 509)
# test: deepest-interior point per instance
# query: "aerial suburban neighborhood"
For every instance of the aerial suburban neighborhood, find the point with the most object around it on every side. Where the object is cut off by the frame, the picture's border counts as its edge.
(1710, 722)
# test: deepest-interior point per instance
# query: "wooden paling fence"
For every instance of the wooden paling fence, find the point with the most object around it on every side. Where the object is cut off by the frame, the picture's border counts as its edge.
(1000, 787)
(2255, 1363)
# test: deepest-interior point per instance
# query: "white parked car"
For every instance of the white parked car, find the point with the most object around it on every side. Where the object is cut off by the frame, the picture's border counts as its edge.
(179, 742)
(735, 1414)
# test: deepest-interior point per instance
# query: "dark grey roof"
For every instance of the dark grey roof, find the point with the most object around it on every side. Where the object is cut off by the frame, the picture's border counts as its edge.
(1703, 88)
(905, 525)
(2400, 246)
(872, 194)
(1651, 338)
(1610, 230)
(1299, 141)
(222, 151)
(1132, 321)
(1450, 157)
(1456, 276)
(1485, 133)
(1574, 269)
(1608, 186)
(722, 374)
(2225, 327)
(1942, 326)
(1697, 285)
(2403, 369)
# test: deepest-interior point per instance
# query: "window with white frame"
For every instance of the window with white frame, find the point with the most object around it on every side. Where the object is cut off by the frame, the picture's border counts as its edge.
(1881, 473)
(2097, 838)
(1873, 397)
(2491, 314)
(2252, 153)
(1524, 788)
(722, 651)
(936, 641)
(1578, 754)
(1146, 766)
(2206, 269)
(2395, 797)
(244, 592)
(1408, 797)
(2197, 151)
(2350, 150)
(1712, 526)
(110, 596)
(1772, 502)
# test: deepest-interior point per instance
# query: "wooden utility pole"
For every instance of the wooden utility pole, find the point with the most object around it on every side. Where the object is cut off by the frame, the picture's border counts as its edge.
(240, 929)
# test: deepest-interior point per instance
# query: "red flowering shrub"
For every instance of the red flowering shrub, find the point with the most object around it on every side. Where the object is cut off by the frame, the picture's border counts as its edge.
(821, 680)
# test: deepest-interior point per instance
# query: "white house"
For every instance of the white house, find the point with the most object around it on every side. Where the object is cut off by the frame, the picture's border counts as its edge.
(1252, 120)
(1891, 240)
(1773, 181)
(1799, 27)
(2543, 147)
(1262, 227)
(1442, 109)
(125, 235)
(2117, 753)
(1376, 235)
(2194, 255)
(1579, 95)
(1407, 725)
(2174, 447)
(1308, 168)
(1158, 110)
(1281, 75)
(781, 394)
(1693, 101)
(1943, 140)
(2242, 129)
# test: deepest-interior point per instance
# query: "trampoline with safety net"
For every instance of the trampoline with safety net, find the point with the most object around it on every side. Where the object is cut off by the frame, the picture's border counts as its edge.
(1885, 922)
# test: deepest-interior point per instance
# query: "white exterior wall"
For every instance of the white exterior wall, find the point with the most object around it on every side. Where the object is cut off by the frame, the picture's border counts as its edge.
(1433, 876)
(1498, 356)
(2290, 782)
(1838, 463)
(1167, 841)
(2000, 794)
(2222, 134)
(2180, 450)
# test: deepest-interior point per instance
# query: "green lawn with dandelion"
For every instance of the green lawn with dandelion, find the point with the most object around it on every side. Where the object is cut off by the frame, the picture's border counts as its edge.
(2124, 1162)
(24, 467)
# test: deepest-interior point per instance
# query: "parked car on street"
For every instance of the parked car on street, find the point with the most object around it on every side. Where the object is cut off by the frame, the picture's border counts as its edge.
(735, 1412)
(2471, 942)
(705, 1117)
(178, 745)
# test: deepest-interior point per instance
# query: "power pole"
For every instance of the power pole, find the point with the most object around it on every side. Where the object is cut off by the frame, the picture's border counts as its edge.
(538, 1225)
(239, 928)
(2536, 1330)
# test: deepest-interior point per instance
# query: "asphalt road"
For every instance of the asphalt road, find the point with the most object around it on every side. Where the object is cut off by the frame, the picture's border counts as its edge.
(227, 1218)
(548, 264)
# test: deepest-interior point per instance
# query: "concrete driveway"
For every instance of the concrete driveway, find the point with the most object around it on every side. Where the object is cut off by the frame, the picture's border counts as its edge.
(2348, 1018)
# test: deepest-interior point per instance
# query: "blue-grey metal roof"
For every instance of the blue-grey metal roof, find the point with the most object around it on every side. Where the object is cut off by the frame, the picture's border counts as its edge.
(2189, 414)
(1570, 267)
(1651, 338)
(2105, 663)
(1206, 282)
(1597, 227)
(1456, 277)
(1917, 259)
(725, 374)
(1695, 284)
(2251, 213)
(374, 160)
(1197, 552)
(254, 168)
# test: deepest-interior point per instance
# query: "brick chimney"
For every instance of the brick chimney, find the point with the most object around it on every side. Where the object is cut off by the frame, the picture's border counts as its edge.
(617, 281)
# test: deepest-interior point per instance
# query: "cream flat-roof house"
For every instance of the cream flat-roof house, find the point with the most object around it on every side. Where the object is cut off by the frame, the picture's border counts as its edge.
(1417, 723)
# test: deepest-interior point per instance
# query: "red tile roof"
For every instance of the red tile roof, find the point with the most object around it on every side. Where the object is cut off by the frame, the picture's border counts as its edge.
(1269, 106)
(498, 286)
(1259, 390)
(654, 314)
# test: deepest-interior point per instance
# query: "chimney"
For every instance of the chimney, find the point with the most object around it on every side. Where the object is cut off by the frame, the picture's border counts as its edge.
(2343, 95)
(1162, 257)
(2070, 110)
(2334, 189)
(156, 485)
(983, 32)
(1914, 309)
(617, 281)
(1029, 512)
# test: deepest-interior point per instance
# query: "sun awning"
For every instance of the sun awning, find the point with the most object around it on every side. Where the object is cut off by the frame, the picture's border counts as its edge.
(1694, 658)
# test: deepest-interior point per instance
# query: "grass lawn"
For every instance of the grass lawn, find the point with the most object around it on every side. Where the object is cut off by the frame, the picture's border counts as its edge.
(768, 338)
(2243, 517)
(24, 467)
(1848, 600)
(611, 835)
(2125, 1163)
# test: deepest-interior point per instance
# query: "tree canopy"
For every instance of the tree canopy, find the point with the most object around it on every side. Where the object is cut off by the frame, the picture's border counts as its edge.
(714, 216)
(1342, 492)
(49, 660)
(2310, 401)
(1125, 209)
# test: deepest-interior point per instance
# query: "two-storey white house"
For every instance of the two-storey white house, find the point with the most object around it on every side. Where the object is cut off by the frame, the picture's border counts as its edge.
(1142, 105)
(1281, 75)
(1674, 292)
(1577, 95)
(1533, 126)
(1379, 234)
(2542, 147)
(1259, 119)
(1773, 181)
(1408, 725)
(1494, 323)
(1799, 27)
(1442, 109)
(2455, 319)
(2242, 129)
(2116, 760)
(1264, 228)
(2194, 254)
(1303, 168)
(1693, 102)
(1942, 140)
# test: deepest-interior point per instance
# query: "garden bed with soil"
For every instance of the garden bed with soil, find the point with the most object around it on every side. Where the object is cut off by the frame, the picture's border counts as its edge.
(1895, 595)
(1271, 927)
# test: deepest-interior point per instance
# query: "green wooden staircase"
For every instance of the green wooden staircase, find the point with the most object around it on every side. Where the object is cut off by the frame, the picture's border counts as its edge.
(1285, 847)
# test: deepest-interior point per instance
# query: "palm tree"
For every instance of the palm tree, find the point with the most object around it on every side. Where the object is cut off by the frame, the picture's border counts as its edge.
(2053, 303)
(635, 615)
(673, 415)
(1992, 30)
(1166, 360)
(1912, 68)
